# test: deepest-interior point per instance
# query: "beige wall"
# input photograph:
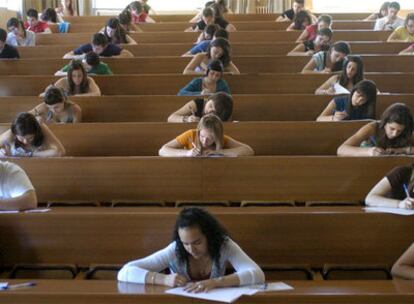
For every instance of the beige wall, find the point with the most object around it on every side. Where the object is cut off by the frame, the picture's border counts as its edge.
(6, 15)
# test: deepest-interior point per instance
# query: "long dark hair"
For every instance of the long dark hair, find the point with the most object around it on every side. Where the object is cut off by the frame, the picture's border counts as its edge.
(369, 90)
(214, 232)
(84, 86)
(119, 34)
(340, 47)
(25, 124)
(344, 80)
(50, 15)
(400, 114)
(301, 17)
(14, 22)
(225, 46)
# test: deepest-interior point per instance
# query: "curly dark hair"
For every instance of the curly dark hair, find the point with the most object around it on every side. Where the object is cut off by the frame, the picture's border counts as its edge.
(215, 233)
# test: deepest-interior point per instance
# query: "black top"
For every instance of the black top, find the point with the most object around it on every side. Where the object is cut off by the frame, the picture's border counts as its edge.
(109, 51)
(200, 107)
(201, 25)
(289, 13)
(398, 177)
(9, 52)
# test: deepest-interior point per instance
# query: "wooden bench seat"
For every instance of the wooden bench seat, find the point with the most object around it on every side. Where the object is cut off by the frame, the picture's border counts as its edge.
(185, 37)
(158, 108)
(85, 236)
(238, 49)
(170, 84)
(145, 139)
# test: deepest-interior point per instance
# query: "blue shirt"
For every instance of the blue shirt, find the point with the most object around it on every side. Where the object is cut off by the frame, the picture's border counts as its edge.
(200, 47)
(357, 113)
(195, 86)
(109, 51)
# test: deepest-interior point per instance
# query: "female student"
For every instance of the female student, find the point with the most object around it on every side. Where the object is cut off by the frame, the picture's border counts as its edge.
(404, 267)
(311, 31)
(302, 20)
(115, 33)
(210, 83)
(329, 61)
(207, 140)
(18, 35)
(66, 9)
(197, 258)
(390, 136)
(56, 108)
(352, 73)
(27, 138)
(221, 6)
(220, 104)
(50, 16)
(125, 21)
(360, 104)
(404, 33)
(310, 47)
(383, 12)
(219, 49)
(77, 82)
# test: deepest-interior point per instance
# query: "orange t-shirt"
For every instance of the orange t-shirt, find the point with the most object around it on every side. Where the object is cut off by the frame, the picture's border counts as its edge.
(187, 139)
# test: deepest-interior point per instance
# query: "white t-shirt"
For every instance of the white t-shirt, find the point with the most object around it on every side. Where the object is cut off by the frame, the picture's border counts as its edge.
(380, 24)
(13, 181)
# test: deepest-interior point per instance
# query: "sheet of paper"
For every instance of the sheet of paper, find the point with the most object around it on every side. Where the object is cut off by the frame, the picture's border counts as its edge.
(4, 285)
(226, 295)
(276, 286)
(390, 210)
(38, 210)
(9, 211)
(340, 89)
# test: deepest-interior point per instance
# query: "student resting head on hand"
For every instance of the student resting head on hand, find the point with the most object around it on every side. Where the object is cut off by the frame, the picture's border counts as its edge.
(207, 140)
(392, 135)
(27, 138)
(197, 258)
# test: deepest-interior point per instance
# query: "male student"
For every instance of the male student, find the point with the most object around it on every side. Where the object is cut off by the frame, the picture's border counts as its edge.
(100, 46)
(16, 190)
(34, 24)
(7, 51)
(391, 21)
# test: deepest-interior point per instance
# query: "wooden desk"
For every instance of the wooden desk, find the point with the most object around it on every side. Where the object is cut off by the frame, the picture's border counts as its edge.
(102, 292)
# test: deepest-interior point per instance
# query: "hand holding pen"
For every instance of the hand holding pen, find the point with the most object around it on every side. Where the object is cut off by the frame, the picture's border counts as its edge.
(408, 202)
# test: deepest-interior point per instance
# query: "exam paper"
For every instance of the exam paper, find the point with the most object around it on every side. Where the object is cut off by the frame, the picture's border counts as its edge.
(340, 89)
(390, 210)
(226, 295)
(4, 285)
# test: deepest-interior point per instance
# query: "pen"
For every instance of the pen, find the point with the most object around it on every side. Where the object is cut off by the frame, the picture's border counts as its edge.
(21, 285)
(264, 286)
(406, 190)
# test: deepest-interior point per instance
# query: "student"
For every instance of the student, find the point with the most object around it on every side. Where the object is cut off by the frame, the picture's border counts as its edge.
(289, 15)
(207, 140)
(404, 33)
(77, 82)
(302, 21)
(203, 46)
(16, 190)
(391, 135)
(210, 83)
(125, 21)
(220, 104)
(404, 267)
(101, 47)
(391, 21)
(329, 61)
(219, 49)
(359, 104)
(223, 6)
(17, 35)
(115, 33)
(197, 258)
(27, 138)
(381, 14)
(6, 50)
(208, 33)
(352, 73)
(311, 31)
(395, 190)
(66, 9)
(137, 12)
(34, 24)
(92, 64)
(211, 15)
(309, 47)
(56, 108)
(49, 16)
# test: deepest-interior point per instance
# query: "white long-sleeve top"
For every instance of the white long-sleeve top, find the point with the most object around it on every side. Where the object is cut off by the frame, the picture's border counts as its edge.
(246, 269)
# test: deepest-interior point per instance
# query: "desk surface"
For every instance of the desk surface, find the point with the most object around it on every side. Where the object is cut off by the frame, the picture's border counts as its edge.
(80, 291)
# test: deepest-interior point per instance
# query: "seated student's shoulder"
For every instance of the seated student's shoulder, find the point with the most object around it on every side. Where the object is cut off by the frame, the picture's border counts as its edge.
(9, 52)
(111, 50)
(83, 49)
(289, 14)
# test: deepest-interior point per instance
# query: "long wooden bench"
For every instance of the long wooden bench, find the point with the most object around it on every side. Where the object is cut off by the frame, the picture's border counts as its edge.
(301, 235)
(291, 178)
(238, 49)
(145, 139)
(111, 292)
(240, 25)
(158, 108)
(185, 37)
(170, 84)
(176, 65)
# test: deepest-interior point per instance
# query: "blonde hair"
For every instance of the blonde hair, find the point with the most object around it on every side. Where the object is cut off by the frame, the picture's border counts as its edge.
(214, 124)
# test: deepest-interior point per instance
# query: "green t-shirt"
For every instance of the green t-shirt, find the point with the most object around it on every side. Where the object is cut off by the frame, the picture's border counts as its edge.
(100, 69)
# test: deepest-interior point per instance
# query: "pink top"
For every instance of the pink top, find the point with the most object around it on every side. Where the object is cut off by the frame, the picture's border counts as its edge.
(312, 31)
